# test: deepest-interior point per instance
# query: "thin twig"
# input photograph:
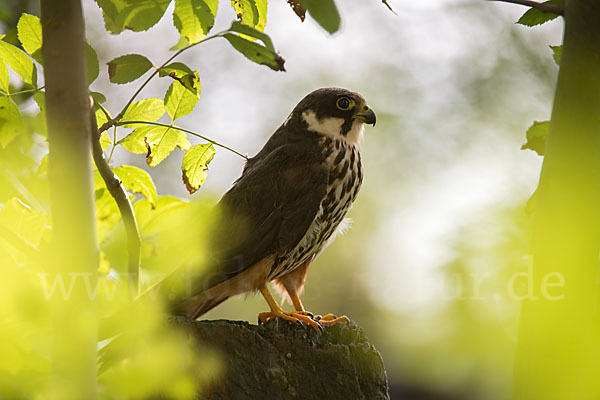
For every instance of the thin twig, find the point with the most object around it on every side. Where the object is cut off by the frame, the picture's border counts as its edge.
(186, 131)
(543, 7)
(118, 192)
(22, 92)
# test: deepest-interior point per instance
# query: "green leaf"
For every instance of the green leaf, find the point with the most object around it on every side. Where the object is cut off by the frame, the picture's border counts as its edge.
(11, 123)
(556, 53)
(25, 222)
(137, 180)
(195, 164)
(536, 137)
(98, 97)
(92, 65)
(324, 12)
(253, 33)
(19, 62)
(135, 142)
(29, 30)
(179, 101)
(144, 110)
(256, 52)
(138, 15)
(162, 141)
(128, 68)
(4, 83)
(43, 168)
(184, 75)
(194, 18)
(105, 141)
(251, 12)
(533, 16)
(181, 43)
(100, 118)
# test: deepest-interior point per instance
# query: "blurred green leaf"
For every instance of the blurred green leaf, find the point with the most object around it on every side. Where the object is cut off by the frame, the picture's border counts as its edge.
(92, 65)
(556, 53)
(533, 16)
(4, 84)
(162, 141)
(26, 223)
(128, 68)
(262, 54)
(105, 141)
(536, 137)
(146, 110)
(29, 30)
(195, 164)
(324, 12)
(179, 101)
(10, 121)
(19, 62)
(138, 181)
(98, 97)
(194, 18)
(138, 15)
(43, 168)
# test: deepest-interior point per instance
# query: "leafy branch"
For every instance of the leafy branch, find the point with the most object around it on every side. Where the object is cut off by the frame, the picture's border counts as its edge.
(546, 7)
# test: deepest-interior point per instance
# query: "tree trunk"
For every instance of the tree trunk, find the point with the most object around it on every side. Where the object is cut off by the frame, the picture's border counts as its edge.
(559, 337)
(74, 255)
(281, 361)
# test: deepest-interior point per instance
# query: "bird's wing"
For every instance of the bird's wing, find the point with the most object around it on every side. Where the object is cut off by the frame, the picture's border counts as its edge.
(269, 209)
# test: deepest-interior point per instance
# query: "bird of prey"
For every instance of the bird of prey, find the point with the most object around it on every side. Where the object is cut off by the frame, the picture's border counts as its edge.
(285, 208)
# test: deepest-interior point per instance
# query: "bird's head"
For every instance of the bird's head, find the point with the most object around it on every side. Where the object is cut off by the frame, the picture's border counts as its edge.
(334, 112)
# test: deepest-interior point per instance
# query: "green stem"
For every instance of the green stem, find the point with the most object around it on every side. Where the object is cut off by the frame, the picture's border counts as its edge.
(22, 92)
(186, 131)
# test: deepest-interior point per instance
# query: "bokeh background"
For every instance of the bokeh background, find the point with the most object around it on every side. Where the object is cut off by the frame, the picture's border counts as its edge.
(440, 229)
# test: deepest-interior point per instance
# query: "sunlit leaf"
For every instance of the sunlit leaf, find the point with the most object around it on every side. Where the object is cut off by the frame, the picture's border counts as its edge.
(184, 75)
(100, 117)
(29, 30)
(195, 164)
(175, 70)
(4, 83)
(105, 141)
(107, 213)
(162, 141)
(138, 181)
(251, 12)
(11, 123)
(324, 12)
(128, 68)
(145, 110)
(27, 224)
(533, 16)
(179, 101)
(137, 16)
(556, 53)
(135, 142)
(43, 168)
(262, 54)
(194, 18)
(181, 43)
(536, 137)
(92, 65)
(19, 62)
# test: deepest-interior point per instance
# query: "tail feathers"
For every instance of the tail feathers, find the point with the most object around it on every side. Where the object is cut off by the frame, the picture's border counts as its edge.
(196, 306)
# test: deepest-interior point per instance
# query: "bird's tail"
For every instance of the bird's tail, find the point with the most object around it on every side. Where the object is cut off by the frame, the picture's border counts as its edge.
(198, 305)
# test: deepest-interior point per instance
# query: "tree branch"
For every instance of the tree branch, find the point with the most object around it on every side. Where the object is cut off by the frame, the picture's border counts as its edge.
(118, 192)
(543, 7)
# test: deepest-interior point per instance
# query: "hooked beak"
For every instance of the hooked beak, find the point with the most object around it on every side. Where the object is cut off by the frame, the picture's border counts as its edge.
(367, 116)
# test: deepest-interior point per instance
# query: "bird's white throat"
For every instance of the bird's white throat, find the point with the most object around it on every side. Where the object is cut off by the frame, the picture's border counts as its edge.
(331, 126)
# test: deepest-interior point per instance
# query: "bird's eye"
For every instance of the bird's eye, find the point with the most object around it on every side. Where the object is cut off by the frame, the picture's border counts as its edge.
(344, 103)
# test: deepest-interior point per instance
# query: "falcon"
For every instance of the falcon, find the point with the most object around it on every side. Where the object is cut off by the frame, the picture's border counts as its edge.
(285, 208)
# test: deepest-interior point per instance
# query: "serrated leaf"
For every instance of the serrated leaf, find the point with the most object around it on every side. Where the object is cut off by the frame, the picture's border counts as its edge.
(19, 62)
(137, 180)
(92, 65)
(29, 31)
(256, 52)
(128, 68)
(536, 137)
(11, 123)
(194, 18)
(135, 142)
(533, 16)
(162, 141)
(324, 12)
(105, 141)
(4, 83)
(179, 101)
(145, 110)
(195, 164)
(556, 53)
(138, 15)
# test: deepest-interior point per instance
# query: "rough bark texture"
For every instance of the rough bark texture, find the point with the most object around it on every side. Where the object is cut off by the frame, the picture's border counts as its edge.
(279, 360)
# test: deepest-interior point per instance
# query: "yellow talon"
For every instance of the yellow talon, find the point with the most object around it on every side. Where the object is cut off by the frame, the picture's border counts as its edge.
(331, 319)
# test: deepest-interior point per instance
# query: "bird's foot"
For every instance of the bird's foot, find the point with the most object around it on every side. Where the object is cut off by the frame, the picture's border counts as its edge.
(331, 319)
(302, 318)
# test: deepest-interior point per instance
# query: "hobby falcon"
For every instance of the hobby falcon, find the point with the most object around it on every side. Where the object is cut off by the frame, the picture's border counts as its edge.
(286, 207)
